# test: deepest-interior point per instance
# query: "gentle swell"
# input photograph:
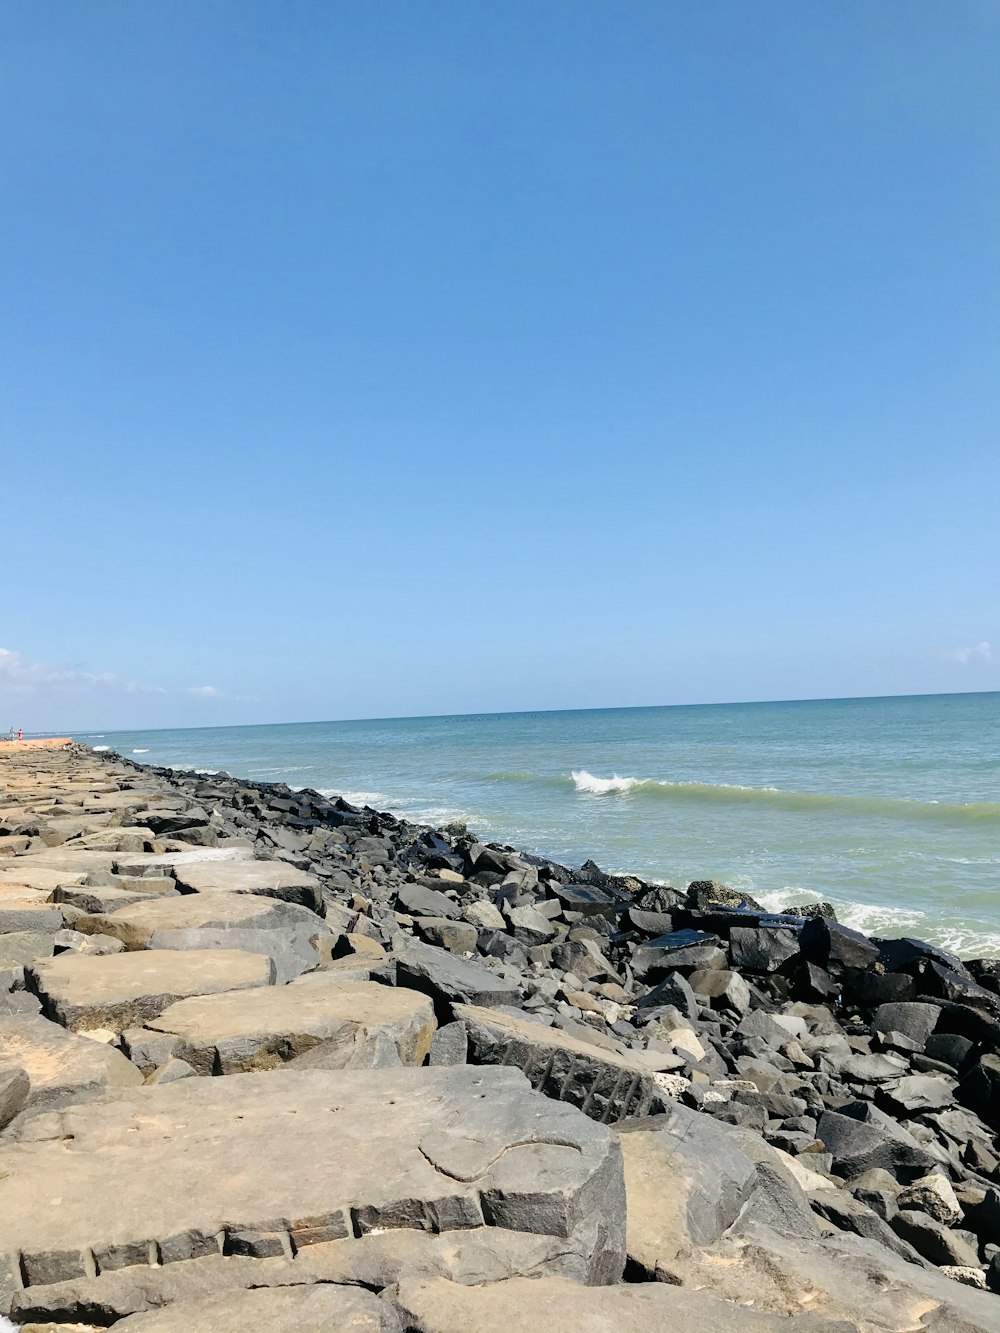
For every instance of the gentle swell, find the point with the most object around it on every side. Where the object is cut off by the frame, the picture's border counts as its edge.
(585, 783)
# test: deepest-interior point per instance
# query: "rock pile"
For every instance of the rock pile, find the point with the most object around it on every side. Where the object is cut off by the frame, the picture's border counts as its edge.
(268, 1057)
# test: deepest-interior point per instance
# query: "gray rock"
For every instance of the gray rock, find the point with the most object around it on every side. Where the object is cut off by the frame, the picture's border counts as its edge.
(275, 1309)
(62, 1067)
(272, 879)
(913, 1020)
(722, 989)
(437, 1306)
(934, 1241)
(359, 1025)
(606, 1084)
(292, 949)
(458, 937)
(136, 924)
(420, 901)
(300, 1158)
(14, 1088)
(124, 990)
(449, 1045)
(860, 1138)
(448, 979)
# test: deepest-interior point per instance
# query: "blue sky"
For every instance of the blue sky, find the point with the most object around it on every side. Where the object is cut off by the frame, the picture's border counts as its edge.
(370, 359)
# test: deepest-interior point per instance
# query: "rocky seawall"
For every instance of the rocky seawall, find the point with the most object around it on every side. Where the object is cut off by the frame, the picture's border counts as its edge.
(270, 1060)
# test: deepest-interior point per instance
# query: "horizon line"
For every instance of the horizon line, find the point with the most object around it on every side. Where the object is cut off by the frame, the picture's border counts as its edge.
(527, 712)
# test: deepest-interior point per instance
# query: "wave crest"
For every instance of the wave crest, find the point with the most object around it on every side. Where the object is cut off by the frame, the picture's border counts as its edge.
(886, 807)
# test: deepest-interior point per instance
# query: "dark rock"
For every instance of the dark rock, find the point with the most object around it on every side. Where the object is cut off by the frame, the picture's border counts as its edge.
(680, 949)
(753, 949)
(830, 944)
(420, 901)
(860, 1137)
(648, 923)
(448, 979)
(850, 1214)
(948, 1048)
(706, 893)
(935, 1242)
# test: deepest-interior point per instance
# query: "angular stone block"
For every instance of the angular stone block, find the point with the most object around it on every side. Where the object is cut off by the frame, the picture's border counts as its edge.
(135, 925)
(259, 1164)
(357, 1025)
(558, 1306)
(273, 879)
(273, 1310)
(606, 1084)
(127, 989)
(62, 1066)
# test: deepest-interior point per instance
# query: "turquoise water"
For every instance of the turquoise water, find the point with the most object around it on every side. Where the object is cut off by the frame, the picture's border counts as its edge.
(889, 808)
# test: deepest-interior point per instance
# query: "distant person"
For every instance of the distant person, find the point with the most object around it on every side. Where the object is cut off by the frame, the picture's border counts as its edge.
(20, 734)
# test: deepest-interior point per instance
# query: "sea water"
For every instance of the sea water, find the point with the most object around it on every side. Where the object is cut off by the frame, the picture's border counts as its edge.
(888, 808)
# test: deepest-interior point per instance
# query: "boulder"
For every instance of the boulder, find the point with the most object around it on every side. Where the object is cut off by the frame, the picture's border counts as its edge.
(286, 1159)
(62, 1067)
(686, 1182)
(449, 979)
(272, 1310)
(914, 1021)
(272, 879)
(437, 1306)
(607, 1082)
(136, 924)
(861, 1138)
(127, 989)
(351, 1025)
(758, 949)
(292, 949)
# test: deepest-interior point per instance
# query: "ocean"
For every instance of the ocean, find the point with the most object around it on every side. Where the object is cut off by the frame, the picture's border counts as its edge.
(889, 808)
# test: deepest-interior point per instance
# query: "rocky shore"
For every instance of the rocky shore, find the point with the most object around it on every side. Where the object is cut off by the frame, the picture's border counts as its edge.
(268, 1060)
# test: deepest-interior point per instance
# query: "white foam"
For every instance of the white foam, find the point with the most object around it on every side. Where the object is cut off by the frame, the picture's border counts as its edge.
(207, 772)
(98, 749)
(140, 752)
(585, 781)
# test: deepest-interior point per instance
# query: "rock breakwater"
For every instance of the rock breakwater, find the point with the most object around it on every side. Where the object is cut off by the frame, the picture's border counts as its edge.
(269, 1057)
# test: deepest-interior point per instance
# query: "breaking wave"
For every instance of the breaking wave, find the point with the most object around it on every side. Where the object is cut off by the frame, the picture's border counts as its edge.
(725, 793)
(140, 752)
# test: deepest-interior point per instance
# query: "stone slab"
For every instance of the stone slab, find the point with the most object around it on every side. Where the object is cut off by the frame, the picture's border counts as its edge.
(605, 1084)
(256, 1164)
(123, 990)
(559, 1306)
(316, 1309)
(62, 1066)
(273, 879)
(357, 1025)
(136, 924)
(292, 949)
(24, 909)
(375, 1260)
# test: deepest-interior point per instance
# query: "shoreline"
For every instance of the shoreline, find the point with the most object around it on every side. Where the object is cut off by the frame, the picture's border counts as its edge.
(824, 1102)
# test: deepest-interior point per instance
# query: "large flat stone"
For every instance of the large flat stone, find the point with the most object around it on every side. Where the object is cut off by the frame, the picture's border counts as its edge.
(273, 879)
(273, 1310)
(136, 924)
(346, 1025)
(123, 990)
(435, 1305)
(256, 1163)
(27, 910)
(292, 949)
(605, 1084)
(63, 1067)
(375, 1260)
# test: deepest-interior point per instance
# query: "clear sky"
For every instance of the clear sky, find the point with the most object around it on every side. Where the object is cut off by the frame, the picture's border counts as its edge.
(430, 356)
